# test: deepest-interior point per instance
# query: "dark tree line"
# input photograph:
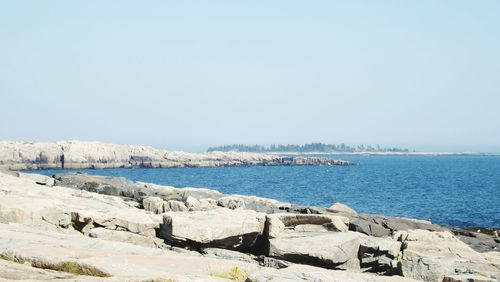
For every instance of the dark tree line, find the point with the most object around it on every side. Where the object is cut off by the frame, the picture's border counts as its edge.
(312, 147)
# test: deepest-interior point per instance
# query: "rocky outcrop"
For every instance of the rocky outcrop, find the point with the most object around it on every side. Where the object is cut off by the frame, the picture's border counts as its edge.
(153, 204)
(382, 226)
(58, 208)
(80, 155)
(440, 256)
(480, 241)
(142, 232)
(113, 186)
(119, 260)
(176, 199)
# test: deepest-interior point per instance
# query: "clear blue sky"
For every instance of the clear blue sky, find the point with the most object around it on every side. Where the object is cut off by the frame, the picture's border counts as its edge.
(190, 74)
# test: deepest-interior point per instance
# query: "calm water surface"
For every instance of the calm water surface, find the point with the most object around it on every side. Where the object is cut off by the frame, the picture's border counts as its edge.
(452, 190)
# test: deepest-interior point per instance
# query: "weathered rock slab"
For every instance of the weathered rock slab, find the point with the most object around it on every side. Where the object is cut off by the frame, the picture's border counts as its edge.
(310, 273)
(233, 229)
(122, 261)
(333, 250)
(280, 222)
(433, 256)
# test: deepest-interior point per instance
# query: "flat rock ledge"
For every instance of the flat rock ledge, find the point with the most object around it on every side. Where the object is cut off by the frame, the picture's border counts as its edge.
(91, 228)
(96, 155)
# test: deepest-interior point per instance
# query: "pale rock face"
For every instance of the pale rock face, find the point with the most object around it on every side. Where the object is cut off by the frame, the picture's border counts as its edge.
(231, 202)
(123, 261)
(205, 205)
(62, 209)
(264, 205)
(124, 236)
(316, 239)
(175, 206)
(38, 178)
(341, 208)
(299, 272)
(310, 228)
(335, 249)
(380, 255)
(233, 229)
(432, 256)
(281, 221)
(192, 202)
(228, 254)
(275, 225)
(153, 204)
(80, 155)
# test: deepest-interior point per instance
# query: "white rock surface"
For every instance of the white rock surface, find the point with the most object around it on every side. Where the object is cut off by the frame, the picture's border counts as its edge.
(192, 202)
(175, 206)
(342, 208)
(218, 227)
(38, 178)
(326, 249)
(309, 273)
(433, 256)
(123, 261)
(231, 202)
(279, 222)
(153, 204)
(58, 208)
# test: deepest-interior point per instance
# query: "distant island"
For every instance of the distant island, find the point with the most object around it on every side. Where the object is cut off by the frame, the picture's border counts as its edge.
(305, 148)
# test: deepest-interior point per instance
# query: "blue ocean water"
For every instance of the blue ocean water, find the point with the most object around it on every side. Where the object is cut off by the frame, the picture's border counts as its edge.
(449, 190)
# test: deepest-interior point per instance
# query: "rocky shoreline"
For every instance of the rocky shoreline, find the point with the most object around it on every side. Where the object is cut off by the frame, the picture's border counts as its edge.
(92, 228)
(97, 155)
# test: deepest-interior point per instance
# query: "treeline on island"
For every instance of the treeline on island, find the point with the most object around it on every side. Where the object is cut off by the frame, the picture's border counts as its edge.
(312, 147)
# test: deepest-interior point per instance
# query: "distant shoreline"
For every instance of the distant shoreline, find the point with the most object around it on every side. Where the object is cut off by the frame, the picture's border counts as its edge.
(424, 154)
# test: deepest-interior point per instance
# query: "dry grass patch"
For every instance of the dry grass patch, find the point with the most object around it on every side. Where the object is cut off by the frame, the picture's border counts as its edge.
(235, 274)
(71, 267)
(64, 266)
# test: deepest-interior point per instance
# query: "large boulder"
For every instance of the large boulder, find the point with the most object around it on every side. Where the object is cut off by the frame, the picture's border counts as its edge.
(231, 202)
(192, 203)
(342, 208)
(174, 206)
(38, 178)
(333, 250)
(315, 239)
(153, 204)
(114, 186)
(225, 228)
(440, 256)
(380, 255)
(369, 227)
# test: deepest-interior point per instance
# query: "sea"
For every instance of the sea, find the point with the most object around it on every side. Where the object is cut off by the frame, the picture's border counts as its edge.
(459, 191)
